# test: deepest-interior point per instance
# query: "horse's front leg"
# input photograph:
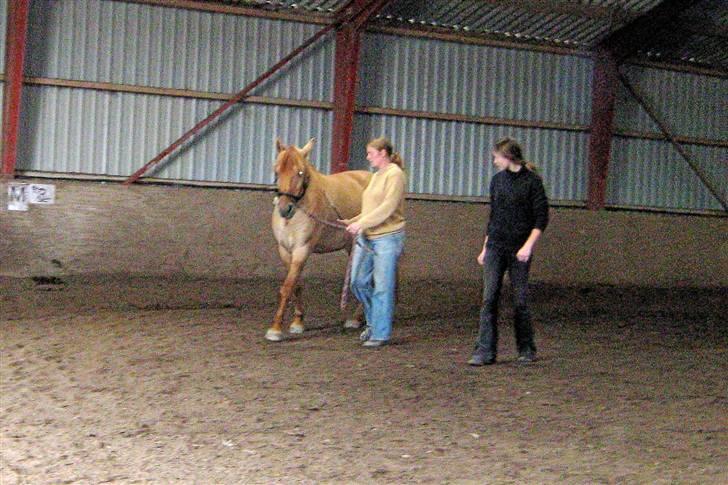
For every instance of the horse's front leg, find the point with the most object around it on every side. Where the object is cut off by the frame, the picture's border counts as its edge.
(294, 263)
(297, 323)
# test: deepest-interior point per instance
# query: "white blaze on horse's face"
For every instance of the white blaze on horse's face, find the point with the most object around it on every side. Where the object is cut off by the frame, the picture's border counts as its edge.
(291, 175)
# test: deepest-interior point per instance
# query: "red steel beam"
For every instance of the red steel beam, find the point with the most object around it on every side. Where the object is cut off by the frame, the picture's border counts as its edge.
(605, 79)
(232, 101)
(346, 62)
(240, 96)
(16, 34)
(346, 67)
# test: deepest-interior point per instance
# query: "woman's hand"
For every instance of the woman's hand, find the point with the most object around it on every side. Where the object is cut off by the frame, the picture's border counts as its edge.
(481, 257)
(524, 254)
(354, 228)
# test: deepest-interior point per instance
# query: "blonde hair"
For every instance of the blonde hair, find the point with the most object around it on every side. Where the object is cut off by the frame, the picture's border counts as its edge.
(383, 143)
(509, 148)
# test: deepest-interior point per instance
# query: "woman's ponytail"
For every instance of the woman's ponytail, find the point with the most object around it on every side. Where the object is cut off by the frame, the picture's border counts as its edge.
(397, 160)
(531, 166)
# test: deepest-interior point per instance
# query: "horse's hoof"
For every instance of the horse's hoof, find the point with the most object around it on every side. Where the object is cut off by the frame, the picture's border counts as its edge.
(274, 335)
(295, 329)
(352, 324)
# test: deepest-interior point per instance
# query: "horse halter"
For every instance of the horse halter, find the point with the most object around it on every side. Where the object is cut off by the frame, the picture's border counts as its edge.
(296, 197)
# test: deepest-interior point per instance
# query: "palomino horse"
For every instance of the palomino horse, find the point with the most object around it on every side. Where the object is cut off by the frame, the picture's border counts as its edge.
(304, 220)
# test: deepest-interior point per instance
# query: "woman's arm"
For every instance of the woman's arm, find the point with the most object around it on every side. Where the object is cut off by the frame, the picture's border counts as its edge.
(524, 254)
(394, 191)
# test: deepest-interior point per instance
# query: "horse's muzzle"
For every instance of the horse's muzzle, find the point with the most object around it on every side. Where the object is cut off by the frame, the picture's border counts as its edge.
(286, 211)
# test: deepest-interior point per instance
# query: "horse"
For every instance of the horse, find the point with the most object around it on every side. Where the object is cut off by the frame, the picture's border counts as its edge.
(304, 221)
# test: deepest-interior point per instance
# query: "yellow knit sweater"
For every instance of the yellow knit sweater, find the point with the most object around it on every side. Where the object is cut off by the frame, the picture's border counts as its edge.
(382, 208)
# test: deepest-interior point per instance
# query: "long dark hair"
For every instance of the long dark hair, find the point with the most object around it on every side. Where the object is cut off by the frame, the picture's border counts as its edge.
(383, 143)
(509, 148)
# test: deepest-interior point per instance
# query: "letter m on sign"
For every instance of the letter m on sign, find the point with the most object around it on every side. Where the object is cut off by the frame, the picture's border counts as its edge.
(18, 197)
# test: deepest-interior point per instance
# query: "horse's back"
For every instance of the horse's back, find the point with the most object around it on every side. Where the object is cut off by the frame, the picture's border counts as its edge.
(344, 190)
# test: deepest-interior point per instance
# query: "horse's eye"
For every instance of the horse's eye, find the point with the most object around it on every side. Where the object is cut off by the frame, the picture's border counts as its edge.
(300, 173)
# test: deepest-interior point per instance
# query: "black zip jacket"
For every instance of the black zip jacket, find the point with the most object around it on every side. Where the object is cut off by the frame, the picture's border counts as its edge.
(518, 205)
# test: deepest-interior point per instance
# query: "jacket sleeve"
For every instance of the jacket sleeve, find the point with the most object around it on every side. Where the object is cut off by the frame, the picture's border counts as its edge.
(539, 205)
(394, 191)
(491, 194)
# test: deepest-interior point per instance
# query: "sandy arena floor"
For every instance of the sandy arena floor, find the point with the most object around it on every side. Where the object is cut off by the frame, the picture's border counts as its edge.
(143, 380)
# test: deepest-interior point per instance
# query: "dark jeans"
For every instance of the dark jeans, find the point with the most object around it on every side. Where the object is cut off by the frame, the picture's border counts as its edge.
(497, 262)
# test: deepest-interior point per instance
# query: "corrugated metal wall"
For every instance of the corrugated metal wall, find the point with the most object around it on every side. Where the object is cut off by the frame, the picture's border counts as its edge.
(3, 28)
(99, 132)
(448, 157)
(76, 130)
(432, 75)
(651, 173)
(127, 43)
(453, 158)
(690, 105)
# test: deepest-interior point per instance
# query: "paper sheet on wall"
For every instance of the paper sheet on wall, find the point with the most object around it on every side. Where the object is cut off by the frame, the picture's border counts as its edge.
(17, 197)
(42, 194)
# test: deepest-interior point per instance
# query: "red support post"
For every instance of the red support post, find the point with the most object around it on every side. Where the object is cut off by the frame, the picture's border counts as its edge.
(346, 67)
(346, 63)
(16, 33)
(604, 87)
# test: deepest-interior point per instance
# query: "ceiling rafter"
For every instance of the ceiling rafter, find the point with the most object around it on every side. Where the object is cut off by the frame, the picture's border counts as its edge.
(646, 29)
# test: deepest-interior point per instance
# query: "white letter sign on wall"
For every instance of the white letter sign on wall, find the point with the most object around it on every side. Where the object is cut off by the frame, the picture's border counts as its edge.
(20, 195)
(41, 194)
(17, 197)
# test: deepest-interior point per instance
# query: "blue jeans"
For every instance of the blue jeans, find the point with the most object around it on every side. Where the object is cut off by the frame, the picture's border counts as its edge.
(497, 262)
(374, 278)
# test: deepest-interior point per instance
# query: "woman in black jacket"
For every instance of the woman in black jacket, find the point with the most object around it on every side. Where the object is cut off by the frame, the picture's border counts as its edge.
(518, 216)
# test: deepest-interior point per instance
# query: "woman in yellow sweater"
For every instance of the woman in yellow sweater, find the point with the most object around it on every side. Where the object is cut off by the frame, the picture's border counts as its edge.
(379, 231)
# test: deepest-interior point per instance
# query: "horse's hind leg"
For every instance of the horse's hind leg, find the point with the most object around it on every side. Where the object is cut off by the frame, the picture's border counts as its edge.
(297, 323)
(357, 319)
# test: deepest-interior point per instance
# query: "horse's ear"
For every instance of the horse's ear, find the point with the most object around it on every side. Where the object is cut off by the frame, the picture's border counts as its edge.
(308, 147)
(279, 146)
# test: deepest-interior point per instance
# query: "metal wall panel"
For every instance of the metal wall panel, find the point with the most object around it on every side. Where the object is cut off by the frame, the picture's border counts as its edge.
(127, 43)
(650, 173)
(3, 29)
(691, 105)
(431, 75)
(453, 158)
(96, 132)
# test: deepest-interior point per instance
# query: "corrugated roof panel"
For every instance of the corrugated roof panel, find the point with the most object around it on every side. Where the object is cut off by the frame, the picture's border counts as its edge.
(134, 44)
(324, 6)
(96, 132)
(580, 24)
(518, 21)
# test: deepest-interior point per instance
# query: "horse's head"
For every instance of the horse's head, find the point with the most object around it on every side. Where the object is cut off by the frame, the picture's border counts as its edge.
(292, 175)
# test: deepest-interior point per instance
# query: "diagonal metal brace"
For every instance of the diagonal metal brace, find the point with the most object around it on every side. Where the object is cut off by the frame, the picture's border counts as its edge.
(668, 136)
